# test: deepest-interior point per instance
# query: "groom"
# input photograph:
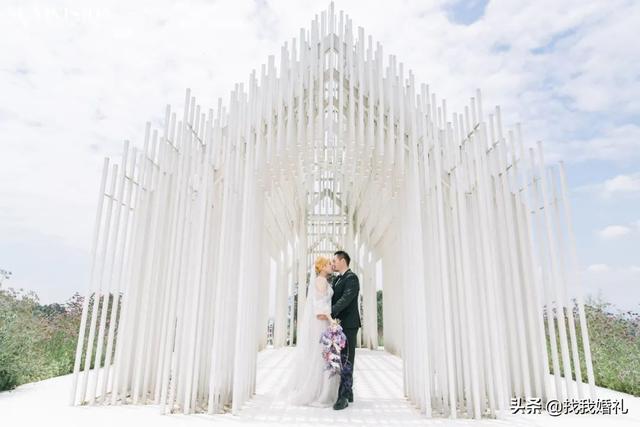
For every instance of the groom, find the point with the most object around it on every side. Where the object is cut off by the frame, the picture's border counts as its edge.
(344, 306)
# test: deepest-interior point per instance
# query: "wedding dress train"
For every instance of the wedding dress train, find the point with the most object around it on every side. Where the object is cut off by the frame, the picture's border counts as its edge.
(309, 383)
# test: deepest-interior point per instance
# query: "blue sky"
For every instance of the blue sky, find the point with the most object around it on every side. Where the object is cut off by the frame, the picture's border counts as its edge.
(77, 78)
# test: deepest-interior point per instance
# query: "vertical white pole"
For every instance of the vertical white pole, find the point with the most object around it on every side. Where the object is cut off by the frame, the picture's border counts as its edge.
(94, 261)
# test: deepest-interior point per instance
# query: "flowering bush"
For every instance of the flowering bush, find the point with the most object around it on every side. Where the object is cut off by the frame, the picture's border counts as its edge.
(39, 341)
(614, 336)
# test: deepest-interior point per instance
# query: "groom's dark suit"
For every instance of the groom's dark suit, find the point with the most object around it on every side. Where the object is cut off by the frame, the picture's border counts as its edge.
(344, 306)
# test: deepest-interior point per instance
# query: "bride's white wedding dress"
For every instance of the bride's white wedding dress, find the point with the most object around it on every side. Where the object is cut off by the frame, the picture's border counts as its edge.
(309, 383)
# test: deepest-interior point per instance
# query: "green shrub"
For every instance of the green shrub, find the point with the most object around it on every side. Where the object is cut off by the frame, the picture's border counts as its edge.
(36, 341)
(23, 356)
(614, 338)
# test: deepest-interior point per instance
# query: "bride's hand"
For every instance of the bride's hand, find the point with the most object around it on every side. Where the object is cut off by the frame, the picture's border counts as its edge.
(321, 316)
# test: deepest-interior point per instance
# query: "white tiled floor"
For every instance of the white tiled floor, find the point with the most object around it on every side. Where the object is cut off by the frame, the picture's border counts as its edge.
(378, 396)
(378, 401)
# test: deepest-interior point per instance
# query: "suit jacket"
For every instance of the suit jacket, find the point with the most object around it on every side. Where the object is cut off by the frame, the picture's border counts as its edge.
(344, 302)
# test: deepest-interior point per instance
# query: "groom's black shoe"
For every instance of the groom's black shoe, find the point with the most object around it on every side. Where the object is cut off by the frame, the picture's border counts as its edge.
(350, 396)
(341, 403)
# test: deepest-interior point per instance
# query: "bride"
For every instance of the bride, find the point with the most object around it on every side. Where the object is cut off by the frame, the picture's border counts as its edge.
(309, 383)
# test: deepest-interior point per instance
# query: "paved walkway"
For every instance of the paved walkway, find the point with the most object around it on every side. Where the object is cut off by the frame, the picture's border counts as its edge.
(378, 401)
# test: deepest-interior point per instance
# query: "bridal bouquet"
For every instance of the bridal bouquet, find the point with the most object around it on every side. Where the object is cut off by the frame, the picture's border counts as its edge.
(333, 341)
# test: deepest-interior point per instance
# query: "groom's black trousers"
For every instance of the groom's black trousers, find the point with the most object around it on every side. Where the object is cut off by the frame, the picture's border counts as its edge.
(350, 348)
(350, 351)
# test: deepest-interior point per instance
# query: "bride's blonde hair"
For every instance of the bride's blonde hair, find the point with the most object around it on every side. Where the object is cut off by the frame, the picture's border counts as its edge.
(321, 262)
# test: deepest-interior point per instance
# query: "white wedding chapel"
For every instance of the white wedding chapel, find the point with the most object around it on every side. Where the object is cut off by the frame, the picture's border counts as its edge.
(333, 145)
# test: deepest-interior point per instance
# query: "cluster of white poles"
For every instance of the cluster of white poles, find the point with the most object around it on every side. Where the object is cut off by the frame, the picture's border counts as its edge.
(485, 253)
(332, 150)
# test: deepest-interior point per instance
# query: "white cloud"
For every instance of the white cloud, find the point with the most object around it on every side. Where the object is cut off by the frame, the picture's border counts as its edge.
(626, 185)
(614, 231)
(619, 144)
(622, 184)
(598, 268)
(616, 285)
(634, 269)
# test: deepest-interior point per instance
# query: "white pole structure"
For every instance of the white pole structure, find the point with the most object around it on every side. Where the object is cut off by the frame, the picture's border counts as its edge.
(335, 149)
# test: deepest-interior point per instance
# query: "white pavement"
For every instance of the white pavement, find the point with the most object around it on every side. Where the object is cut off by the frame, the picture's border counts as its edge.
(377, 392)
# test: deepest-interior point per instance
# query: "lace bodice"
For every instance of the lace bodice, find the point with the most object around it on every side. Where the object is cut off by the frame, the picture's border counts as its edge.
(322, 294)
